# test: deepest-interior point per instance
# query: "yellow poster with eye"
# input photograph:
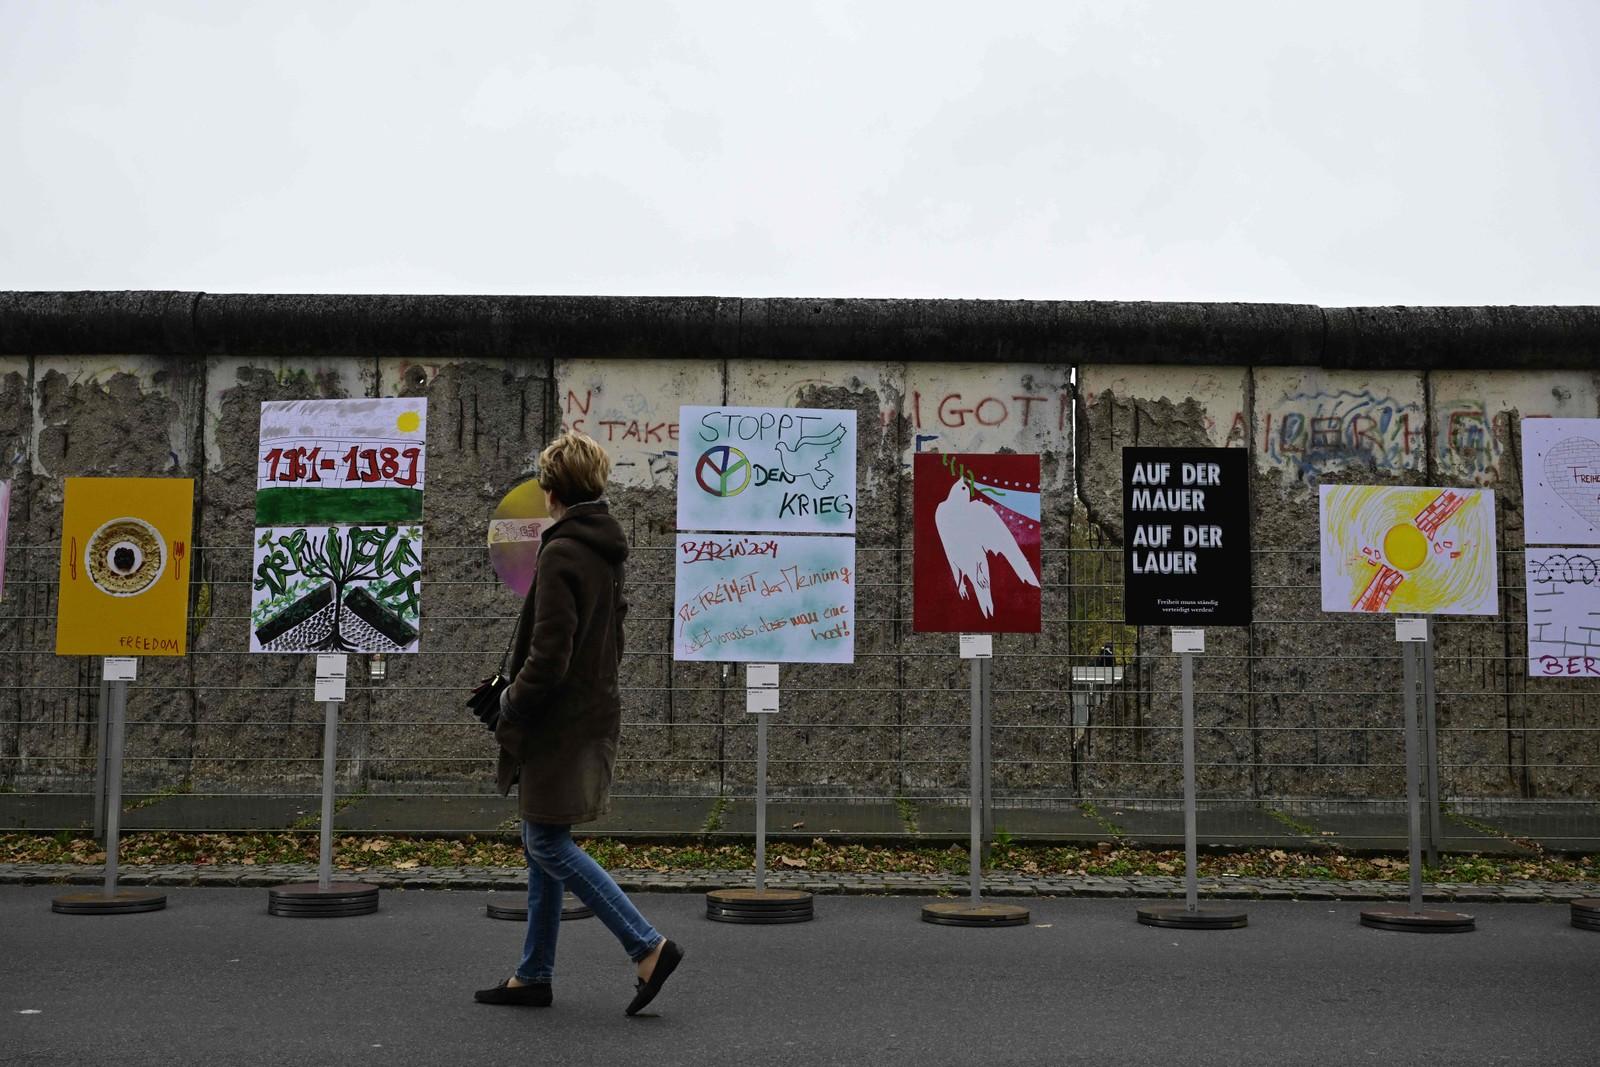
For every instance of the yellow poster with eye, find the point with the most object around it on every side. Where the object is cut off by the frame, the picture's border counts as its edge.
(126, 552)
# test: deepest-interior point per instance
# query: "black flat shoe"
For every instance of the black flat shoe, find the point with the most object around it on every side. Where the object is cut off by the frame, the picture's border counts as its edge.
(533, 995)
(666, 963)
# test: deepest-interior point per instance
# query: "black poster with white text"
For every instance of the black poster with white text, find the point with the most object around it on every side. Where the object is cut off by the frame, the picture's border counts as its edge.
(1186, 536)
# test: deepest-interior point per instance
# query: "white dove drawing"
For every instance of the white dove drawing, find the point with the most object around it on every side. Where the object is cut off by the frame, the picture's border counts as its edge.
(804, 458)
(971, 532)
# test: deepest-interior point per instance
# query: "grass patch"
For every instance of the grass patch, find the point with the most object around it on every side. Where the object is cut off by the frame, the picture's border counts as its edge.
(314, 822)
(181, 789)
(719, 807)
(907, 810)
(1304, 829)
(1091, 812)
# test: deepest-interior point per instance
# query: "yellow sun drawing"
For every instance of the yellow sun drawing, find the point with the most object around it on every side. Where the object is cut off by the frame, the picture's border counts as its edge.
(408, 422)
(1408, 549)
(1405, 547)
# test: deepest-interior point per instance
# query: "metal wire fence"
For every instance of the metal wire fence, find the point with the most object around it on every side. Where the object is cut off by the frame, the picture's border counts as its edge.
(1298, 715)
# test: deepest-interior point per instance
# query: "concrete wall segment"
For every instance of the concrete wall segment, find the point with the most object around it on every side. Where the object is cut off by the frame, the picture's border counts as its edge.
(1323, 685)
(421, 326)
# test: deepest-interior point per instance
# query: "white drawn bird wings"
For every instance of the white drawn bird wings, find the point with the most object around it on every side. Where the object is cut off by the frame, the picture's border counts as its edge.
(805, 458)
(971, 532)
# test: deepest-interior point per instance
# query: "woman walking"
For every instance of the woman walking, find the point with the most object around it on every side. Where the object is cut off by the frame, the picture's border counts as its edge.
(559, 722)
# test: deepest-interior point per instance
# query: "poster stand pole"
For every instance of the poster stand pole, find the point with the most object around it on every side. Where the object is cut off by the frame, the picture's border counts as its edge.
(761, 803)
(986, 753)
(102, 712)
(760, 905)
(330, 747)
(975, 772)
(1413, 917)
(1431, 742)
(1191, 858)
(974, 912)
(1191, 916)
(111, 900)
(326, 898)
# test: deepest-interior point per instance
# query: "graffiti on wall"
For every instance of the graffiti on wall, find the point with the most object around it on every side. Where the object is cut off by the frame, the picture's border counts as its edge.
(1309, 433)
(631, 406)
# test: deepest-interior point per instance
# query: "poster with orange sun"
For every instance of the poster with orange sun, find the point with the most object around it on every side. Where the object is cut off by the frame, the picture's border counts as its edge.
(337, 565)
(1407, 550)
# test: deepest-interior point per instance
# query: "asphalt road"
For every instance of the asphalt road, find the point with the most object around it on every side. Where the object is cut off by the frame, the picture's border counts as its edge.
(215, 980)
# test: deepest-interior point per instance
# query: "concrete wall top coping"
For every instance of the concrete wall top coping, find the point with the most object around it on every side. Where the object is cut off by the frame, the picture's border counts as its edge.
(178, 323)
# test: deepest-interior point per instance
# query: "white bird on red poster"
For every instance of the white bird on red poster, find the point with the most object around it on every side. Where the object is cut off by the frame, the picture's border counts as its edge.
(971, 532)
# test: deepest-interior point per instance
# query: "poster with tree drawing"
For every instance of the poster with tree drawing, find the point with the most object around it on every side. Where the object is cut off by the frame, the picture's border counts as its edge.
(336, 589)
(337, 564)
(1402, 549)
(1561, 481)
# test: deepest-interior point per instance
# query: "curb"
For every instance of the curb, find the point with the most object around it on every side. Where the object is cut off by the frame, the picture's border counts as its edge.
(507, 879)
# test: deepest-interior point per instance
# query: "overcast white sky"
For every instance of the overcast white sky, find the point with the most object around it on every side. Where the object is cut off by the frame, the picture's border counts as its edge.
(1331, 153)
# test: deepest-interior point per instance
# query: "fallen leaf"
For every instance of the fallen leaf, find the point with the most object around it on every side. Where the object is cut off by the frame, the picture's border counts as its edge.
(797, 825)
(792, 861)
(406, 865)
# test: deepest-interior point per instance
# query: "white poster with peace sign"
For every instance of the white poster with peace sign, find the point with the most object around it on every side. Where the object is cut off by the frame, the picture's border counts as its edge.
(760, 469)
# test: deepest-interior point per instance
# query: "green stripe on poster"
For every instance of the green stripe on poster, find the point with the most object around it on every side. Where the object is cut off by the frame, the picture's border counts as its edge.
(313, 507)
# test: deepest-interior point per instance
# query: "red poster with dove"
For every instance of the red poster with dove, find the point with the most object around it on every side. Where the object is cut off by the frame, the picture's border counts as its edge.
(976, 562)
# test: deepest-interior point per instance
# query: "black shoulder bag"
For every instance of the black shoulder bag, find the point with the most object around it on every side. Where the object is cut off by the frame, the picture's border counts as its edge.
(485, 699)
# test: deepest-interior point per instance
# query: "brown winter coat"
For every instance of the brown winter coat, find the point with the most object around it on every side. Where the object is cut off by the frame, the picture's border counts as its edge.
(562, 712)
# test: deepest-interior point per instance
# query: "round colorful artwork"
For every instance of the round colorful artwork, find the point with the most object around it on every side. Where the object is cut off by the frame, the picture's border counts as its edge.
(514, 533)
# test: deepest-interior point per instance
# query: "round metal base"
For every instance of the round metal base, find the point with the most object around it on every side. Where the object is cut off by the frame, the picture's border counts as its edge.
(95, 902)
(1179, 917)
(308, 900)
(966, 913)
(1401, 918)
(515, 909)
(759, 907)
(1586, 914)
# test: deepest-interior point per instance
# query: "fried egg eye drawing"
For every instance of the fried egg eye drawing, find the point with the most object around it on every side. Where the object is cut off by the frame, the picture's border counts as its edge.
(125, 556)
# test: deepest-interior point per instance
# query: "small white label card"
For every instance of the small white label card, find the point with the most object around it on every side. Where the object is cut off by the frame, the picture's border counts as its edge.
(332, 668)
(977, 646)
(1188, 639)
(761, 701)
(761, 688)
(1410, 629)
(121, 668)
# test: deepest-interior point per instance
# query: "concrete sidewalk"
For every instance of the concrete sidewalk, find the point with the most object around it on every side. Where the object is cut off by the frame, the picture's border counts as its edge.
(214, 979)
(1502, 828)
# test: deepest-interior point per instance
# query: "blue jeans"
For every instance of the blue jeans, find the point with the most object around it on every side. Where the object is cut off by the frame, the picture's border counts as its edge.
(555, 861)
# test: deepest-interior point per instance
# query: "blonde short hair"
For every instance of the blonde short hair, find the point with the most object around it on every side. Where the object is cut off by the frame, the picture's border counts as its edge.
(574, 468)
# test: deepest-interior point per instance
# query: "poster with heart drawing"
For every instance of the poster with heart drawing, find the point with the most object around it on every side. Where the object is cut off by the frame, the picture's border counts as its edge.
(1561, 481)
